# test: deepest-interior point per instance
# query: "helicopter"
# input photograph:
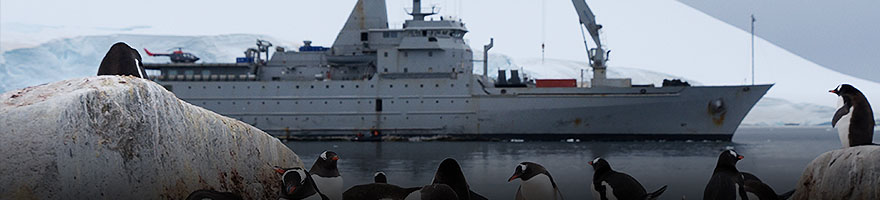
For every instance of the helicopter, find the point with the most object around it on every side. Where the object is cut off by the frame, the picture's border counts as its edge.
(177, 56)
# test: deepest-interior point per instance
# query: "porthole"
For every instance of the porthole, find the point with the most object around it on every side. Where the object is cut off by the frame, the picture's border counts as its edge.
(390, 86)
(340, 102)
(297, 87)
(312, 86)
(436, 85)
(248, 87)
(359, 102)
(421, 85)
(327, 86)
(325, 102)
(248, 103)
(233, 103)
(438, 101)
(451, 101)
(203, 87)
(218, 87)
(357, 86)
(264, 103)
(341, 86)
(371, 86)
(451, 85)
(263, 87)
(405, 85)
(277, 87)
(277, 103)
(189, 87)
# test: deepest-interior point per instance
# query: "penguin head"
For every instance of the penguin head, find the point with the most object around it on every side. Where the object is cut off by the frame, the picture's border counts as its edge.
(379, 177)
(329, 156)
(728, 158)
(600, 164)
(327, 159)
(527, 170)
(294, 181)
(846, 91)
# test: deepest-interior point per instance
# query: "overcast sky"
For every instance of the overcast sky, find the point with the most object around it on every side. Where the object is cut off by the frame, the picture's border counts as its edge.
(841, 36)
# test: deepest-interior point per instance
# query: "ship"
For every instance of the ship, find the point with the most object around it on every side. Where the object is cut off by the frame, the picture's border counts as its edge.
(419, 81)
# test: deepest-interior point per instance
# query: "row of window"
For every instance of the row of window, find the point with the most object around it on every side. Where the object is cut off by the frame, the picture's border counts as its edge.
(340, 102)
(452, 85)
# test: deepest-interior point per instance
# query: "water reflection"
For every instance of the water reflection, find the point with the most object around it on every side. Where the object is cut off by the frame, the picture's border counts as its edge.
(778, 156)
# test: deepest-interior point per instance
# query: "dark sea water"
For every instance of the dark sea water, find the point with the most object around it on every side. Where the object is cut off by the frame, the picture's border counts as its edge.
(776, 155)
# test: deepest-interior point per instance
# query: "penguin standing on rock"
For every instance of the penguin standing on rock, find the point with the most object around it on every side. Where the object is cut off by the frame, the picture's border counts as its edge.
(122, 60)
(537, 184)
(854, 118)
(726, 183)
(610, 184)
(297, 184)
(327, 176)
(379, 177)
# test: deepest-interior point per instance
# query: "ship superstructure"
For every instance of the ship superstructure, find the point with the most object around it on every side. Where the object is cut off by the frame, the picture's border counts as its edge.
(418, 81)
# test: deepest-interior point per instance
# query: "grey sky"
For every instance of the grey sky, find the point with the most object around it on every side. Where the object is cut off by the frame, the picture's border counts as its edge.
(841, 35)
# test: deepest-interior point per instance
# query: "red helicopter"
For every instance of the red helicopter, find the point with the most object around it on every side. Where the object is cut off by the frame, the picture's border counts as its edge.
(177, 56)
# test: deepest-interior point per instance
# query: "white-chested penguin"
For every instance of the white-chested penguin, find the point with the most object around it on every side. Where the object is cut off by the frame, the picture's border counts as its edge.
(297, 184)
(758, 190)
(449, 173)
(610, 184)
(726, 183)
(854, 118)
(379, 191)
(122, 60)
(327, 176)
(537, 184)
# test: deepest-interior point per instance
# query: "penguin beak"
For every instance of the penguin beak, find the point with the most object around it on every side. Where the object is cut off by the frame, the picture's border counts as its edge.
(513, 177)
(590, 163)
(335, 158)
(833, 91)
(279, 170)
(291, 189)
(740, 157)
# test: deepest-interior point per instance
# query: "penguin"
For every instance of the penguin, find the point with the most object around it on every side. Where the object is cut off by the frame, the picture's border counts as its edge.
(327, 176)
(854, 118)
(727, 183)
(377, 191)
(757, 189)
(379, 177)
(449, 173)
(610, 184)
(536, 182)
(122, 60)
(212, 195)
(297, 184)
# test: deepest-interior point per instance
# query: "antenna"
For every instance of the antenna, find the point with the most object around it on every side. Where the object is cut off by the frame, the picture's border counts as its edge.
(543, 28)
(753, 49)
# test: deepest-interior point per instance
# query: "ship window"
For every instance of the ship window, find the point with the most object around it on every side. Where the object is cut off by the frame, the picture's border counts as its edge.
(297, 87)
(365, 36)
(390, 86)
(312, 86)
(451, 85)
(430, 53)
(341, 86)
(357, 86)
(421, 85)
(275, 78)
(405, 70)
(188, 72)
(436, 85)
(386, 69)
(386, 34)
(424, 33)
(405, 85)
(172, 72)
(432, 39)
(386, 54)
(371, 86)
(405, 54)
(218, 87)
(327, 86)
(438, 101)
(325, 102)
(206, 72)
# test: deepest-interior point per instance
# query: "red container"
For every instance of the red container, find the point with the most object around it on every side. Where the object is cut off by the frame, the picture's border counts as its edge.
(544, 83)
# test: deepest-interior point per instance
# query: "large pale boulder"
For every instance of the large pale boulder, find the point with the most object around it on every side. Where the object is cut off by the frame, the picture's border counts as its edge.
(849, 173)
(112, 137)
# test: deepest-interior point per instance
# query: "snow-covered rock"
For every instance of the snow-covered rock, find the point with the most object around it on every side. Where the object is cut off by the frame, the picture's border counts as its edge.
(848, 173)
(112, 137)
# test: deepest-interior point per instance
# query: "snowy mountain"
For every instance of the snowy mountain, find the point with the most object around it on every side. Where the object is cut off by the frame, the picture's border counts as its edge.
(80, 56)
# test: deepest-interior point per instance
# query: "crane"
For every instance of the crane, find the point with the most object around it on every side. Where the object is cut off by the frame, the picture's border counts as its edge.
(598, 55)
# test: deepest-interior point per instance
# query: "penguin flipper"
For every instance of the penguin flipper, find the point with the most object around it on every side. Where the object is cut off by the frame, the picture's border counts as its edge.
(519, 195)
(839, 114)
(655, 194)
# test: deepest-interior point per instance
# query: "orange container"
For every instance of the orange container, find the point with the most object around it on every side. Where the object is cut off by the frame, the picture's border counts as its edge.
(544, 83)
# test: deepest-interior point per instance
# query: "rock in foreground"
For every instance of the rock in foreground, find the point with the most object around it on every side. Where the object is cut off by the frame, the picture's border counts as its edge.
(849, 173)
(113, 137)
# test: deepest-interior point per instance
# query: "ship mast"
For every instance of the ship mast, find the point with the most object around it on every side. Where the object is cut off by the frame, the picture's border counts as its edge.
(417, 13)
